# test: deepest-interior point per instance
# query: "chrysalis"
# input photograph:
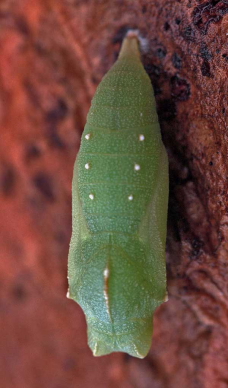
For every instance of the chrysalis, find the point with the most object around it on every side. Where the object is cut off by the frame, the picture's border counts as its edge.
(120, 192)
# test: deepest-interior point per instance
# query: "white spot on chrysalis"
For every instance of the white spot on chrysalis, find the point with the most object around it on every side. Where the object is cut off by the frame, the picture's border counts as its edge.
(106, 273)
(166, 298)
(137, 167)
(87, 136)
(68, 294)
(106, 297)
(87, 166)
(91, 196)
(141, 137)
(106, 278)
(130, 197)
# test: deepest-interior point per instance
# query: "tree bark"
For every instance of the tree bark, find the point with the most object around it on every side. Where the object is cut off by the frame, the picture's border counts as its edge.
(53, 55)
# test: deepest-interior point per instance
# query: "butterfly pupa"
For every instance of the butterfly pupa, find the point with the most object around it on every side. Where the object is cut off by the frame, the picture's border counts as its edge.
(117, 269)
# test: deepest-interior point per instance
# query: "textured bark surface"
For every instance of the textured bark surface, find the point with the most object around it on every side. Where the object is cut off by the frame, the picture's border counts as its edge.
(53, 55)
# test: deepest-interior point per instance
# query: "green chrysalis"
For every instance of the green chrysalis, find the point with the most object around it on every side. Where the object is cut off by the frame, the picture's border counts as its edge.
(120, 192)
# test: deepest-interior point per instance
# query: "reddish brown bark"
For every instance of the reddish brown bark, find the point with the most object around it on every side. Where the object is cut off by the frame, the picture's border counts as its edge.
(53, 55)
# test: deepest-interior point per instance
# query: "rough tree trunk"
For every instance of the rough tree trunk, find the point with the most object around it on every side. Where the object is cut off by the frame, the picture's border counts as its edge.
(53, 55)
